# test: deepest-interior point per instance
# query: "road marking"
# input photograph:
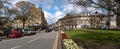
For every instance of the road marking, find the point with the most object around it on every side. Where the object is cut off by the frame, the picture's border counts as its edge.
(33, 40)
(15, 47)
(55, 43)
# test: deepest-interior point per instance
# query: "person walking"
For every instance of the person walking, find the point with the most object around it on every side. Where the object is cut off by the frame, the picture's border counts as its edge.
(6, 32)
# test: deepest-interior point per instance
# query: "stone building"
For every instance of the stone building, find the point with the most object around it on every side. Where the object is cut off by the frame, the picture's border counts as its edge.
(84, 20)
(34, 18)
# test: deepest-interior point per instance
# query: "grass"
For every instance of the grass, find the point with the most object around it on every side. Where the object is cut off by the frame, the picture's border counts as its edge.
(95, 36)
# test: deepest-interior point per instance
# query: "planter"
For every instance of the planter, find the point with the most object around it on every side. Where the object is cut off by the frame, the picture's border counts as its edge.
(69, 44)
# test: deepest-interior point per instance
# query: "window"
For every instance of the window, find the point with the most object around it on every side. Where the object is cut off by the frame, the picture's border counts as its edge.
(81, 18)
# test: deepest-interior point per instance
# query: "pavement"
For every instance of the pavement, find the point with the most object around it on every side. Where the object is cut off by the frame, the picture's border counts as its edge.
(38, 41)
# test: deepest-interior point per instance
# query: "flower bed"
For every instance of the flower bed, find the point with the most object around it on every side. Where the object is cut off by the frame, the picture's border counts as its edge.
(68, 43)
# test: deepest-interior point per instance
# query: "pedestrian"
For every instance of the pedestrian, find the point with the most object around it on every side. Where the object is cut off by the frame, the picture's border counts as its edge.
(6, 32)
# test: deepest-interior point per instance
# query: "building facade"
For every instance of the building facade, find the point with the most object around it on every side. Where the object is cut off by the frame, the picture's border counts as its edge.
(34, 18)
(84, 20)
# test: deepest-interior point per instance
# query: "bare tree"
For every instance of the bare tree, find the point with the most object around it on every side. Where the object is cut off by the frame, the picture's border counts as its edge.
(5, 12)
(2, 6)
(23, 10)
(110, 5)
(2, 2)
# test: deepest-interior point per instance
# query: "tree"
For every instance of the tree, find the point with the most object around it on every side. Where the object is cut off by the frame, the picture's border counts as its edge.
(23, 10)
(4, 20)
(110, 5)
(12, 10)
(2, 2)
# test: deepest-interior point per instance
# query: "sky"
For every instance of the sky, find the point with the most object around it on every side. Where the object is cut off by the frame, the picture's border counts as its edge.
(55, 9)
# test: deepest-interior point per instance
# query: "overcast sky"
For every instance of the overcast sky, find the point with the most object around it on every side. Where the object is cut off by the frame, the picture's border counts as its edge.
(54, 9)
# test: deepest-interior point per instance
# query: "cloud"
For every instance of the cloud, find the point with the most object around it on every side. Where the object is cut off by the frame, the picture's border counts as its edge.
(52, 18)
(49, 17)
(59, 14)
(56, 8)
(52, 8)
(13, 2)
(47, 3)
(70, 8)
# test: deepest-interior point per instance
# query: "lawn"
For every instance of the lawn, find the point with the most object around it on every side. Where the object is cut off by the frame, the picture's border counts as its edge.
(96, 38)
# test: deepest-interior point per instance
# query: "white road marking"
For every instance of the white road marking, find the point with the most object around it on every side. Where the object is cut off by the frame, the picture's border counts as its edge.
(33, 40)
(15, 47)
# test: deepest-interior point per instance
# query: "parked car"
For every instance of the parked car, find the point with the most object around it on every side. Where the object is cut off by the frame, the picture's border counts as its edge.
(25, 31)
(29, 32)
(15, 34)
(48, 30)
(20, 29)
(43, 27)
(84, 26)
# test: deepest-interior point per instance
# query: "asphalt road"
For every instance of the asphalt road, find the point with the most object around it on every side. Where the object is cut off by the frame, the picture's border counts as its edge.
(38, 41)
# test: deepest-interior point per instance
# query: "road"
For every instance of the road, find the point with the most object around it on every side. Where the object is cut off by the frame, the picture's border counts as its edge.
(38, 41)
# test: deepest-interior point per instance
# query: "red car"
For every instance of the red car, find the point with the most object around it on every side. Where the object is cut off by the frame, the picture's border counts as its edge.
(15, 34)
